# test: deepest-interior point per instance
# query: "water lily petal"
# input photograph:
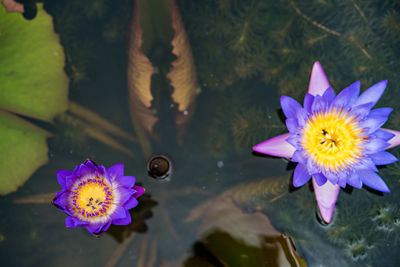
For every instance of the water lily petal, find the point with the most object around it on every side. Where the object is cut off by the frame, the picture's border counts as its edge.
(276, 146)
(354, 180)
(292, 124)
(139, 191)
(373, 180)
(116, 171)
(371, 124)
(329, 95)
(362, 110)
(127, 181)
(298, 156)
(300, 176)
(118, 213)
(131, 203)
(383, 158)
(326, 196)
(74, 222)
(289, 106)
(372, 94)
(395, 141)
(320, 179)
(375, 145)
(383, 134)
(318, 81)
(348, 96)
(380, 112)
(308, 100)
(123, 221)
(62, 175)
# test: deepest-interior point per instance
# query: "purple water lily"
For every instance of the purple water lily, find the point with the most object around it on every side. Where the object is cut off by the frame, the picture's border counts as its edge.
(336, 140)
(95, 198)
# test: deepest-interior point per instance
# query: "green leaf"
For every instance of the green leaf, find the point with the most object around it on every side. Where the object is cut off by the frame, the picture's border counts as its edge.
(32, 83)
(32, 77)
(23, 150)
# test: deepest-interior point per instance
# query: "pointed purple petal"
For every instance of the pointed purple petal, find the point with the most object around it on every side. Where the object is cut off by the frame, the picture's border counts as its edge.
(289, 106)
(124, 194)
(62, 176)
(329, 95)
(383, 158)
(276, 146)
(292, 124)
(127, 181)
(74, 222)
(300, 176)
(302, 117)
(119, 213)
(123, 221)
(131, 203)
(362, 110)
(348, 96)
(375, 145)
(383, 134)
(318, 104)
(318, 81)
(372, 94)
(373, 180)
(308, 100)
(98, 228)
(354, 180)
(116, 171)
(371, 124)
(139, 191)
(380, 112)
(311, 167)
(62, 200)
(90, 163)
(298, 156)
(326, 196)
(320, 179)
(395, 141)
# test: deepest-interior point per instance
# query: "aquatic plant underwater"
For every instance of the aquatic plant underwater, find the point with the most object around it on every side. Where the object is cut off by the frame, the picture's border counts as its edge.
(246, 54)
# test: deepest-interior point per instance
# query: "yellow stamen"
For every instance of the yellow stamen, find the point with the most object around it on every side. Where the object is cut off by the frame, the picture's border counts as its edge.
(333, 139)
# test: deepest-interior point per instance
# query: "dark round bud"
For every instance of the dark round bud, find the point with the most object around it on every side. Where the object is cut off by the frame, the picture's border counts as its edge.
(159, 167)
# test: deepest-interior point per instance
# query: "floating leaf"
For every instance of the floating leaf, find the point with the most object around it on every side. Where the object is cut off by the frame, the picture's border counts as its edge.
(183, 73)
(32, 83)
(23, 151)
(32, 78)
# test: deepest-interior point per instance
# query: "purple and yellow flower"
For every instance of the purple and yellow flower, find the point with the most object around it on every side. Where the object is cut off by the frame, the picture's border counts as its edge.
(336, 140)
(95, 198)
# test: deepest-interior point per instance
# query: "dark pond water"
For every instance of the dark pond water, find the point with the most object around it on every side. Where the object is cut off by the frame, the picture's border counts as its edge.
(222, 205)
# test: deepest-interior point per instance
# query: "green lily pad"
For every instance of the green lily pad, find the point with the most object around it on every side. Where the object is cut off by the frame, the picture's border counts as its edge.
(32, 83)
(32, 77)
(23, 151)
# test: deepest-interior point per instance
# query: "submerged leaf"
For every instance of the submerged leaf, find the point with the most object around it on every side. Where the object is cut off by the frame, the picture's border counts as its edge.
(23, 151)
(32, 78)
(140, 70)
(183, 73)
(235, 238)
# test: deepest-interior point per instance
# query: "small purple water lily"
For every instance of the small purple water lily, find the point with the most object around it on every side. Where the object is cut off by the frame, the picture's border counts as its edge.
(95, 198)
(336, 140)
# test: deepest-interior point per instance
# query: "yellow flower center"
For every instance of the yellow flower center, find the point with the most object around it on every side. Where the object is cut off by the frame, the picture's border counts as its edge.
(333, 139)
(92, 198)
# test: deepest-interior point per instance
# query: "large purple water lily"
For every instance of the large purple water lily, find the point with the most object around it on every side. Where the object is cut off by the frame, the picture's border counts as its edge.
(336, 140)
(95, 198)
